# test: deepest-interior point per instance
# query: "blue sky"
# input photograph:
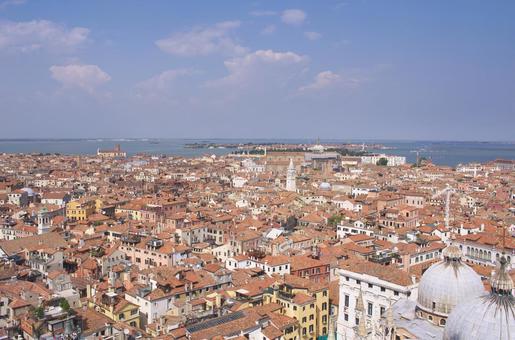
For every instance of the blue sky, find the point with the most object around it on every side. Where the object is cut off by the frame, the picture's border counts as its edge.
(440, 70)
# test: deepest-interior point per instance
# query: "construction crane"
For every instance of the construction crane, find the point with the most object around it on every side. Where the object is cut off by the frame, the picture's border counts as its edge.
(448, 191)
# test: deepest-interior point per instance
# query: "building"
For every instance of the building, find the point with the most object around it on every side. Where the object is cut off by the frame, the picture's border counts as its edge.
(366, 291)
(303, 300)
(310, 267)
(290, 177)
(19, 198)
(489, 316)
(80, 210)
(445, 285)
(116, 308)
(393, 160)
(115, 153)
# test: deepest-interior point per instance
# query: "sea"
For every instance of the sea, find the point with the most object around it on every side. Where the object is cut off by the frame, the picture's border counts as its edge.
(449, 153)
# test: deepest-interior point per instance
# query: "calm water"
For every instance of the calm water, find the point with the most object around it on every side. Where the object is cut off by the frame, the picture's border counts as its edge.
(445, 153)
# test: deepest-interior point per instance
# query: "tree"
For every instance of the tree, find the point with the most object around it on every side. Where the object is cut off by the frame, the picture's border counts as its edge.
(382, 162)
(334, 220)
(291, 223)
(39, 312)
(63, 303)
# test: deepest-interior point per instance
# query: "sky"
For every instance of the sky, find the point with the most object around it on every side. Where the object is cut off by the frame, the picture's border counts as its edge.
(414, 70)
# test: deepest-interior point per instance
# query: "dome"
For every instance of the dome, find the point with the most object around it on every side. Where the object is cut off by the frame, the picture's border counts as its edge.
(29, 191)
(491, 316)
(324, 186)
(318, 148)
(486, 317)
(447, 283)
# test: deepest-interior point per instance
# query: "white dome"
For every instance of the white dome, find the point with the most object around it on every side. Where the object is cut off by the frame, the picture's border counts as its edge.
(491, 316)
(325, 186)
(448, 283)
(29, 191)
(486, 317)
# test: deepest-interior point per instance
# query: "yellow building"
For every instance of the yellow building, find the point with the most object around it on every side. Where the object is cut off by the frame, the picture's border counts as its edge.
(117, 308)
(80, 210)
(132, 211)
(303, 300)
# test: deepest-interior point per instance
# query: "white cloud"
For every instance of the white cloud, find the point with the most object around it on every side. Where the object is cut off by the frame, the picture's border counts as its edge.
(312, 35)
(261, 68)
(329, 79)
(160, 84)
(263, 13)
(203, 41)
(322, 80)
(40, 34)
(84, 77)
(7, 3)
(293, 17)
(270, 29)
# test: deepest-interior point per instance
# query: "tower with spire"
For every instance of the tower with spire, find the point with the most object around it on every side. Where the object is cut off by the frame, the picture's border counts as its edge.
(290, 177)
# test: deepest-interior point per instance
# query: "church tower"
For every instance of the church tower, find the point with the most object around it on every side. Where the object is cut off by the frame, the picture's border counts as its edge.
(290, 177)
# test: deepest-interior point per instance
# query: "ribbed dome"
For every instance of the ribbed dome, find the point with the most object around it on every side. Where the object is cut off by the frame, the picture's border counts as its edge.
(491, 316)
(486, 317)
(447, 283)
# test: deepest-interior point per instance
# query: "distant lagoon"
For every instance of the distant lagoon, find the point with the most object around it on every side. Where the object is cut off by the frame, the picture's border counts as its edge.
(441, 152)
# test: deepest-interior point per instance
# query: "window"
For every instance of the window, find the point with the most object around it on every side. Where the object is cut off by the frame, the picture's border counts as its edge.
(324, 293)
(370, 308)
(442, 322)
(324, 306)
(346, 300)
(383, 289)
(311, 328)
(434, 305)
(346, 317)
(304, 319)
(382, 309)
(357, 321)
(396, 293)
(358, 282)
(370, 285)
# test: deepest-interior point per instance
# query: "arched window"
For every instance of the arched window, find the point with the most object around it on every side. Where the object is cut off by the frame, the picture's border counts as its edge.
(442, 322)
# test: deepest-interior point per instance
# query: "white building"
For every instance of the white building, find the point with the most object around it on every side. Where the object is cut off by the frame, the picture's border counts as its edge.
(238, 182)
(393, 160)
(343, 230)
(367, 290)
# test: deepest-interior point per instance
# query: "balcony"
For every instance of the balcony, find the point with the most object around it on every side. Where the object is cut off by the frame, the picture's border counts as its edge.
(131, 239)
(285, 295)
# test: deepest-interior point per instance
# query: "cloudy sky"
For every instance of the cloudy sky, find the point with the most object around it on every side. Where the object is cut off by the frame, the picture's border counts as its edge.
(440, 70)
